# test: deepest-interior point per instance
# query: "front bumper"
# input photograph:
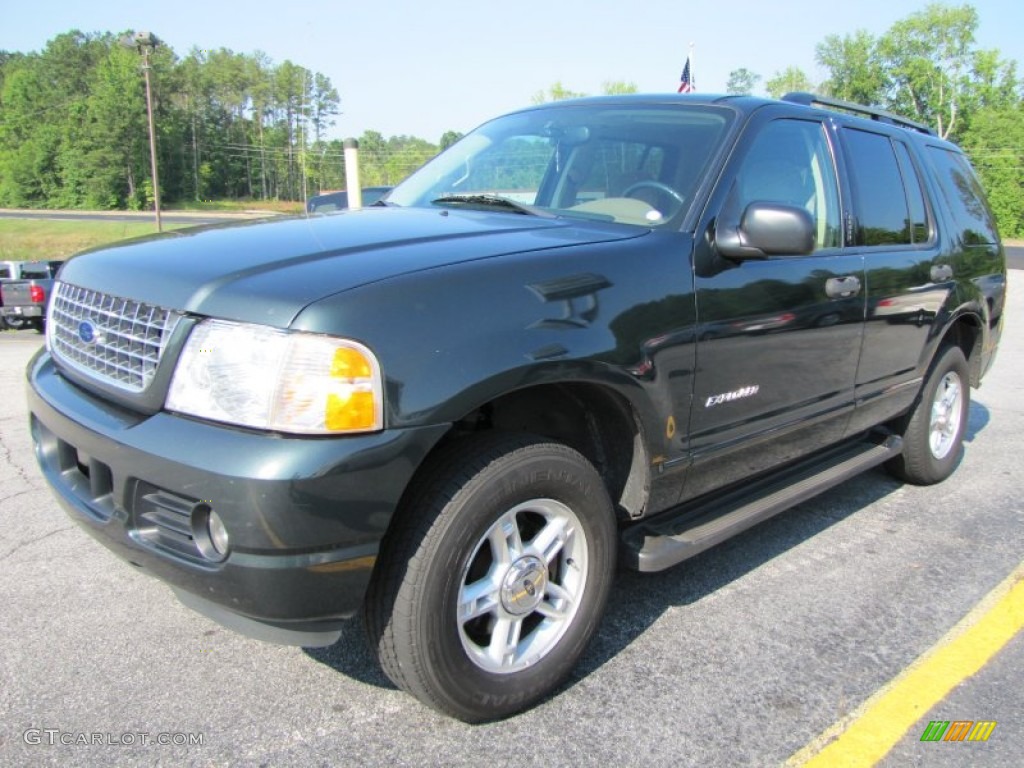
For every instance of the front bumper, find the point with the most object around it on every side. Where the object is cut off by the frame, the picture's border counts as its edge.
(305, 515)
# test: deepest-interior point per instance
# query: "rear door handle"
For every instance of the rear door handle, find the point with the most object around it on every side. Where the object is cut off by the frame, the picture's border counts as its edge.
(842, 287)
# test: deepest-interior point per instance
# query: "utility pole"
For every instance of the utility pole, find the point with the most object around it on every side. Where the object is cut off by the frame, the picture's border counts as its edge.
(144, 43)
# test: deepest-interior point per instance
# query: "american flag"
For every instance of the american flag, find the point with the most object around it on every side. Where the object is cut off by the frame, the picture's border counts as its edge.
(686, 82)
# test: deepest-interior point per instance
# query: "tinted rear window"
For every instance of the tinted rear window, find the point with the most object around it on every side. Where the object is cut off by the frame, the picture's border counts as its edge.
(919, 229)
(880, 198)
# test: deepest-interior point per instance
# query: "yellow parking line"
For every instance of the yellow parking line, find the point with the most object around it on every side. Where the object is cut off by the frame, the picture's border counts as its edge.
(866, 735)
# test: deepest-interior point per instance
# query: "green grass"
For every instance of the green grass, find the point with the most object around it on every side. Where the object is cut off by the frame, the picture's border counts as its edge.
(238, 206)
(37, 239)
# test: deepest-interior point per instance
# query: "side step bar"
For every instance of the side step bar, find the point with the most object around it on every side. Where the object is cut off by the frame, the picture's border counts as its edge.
(688, 530)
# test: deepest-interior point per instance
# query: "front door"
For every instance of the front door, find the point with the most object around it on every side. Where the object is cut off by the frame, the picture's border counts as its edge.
(779, 338)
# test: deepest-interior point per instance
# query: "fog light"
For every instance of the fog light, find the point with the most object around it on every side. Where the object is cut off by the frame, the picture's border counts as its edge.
(209, 532)
(218, 533)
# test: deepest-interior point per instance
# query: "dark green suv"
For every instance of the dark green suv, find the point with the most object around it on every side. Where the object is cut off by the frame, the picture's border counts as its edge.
(597, 332)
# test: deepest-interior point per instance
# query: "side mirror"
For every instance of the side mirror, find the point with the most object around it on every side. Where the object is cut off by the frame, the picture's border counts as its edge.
(768, 229)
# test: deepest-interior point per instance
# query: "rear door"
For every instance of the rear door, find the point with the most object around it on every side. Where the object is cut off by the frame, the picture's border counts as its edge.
(778, 338)
(908, 273)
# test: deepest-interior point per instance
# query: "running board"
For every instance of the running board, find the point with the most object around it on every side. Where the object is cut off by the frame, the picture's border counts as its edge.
(688, 530)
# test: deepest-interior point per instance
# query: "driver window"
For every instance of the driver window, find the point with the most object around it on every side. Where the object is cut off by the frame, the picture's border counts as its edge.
(790, 163)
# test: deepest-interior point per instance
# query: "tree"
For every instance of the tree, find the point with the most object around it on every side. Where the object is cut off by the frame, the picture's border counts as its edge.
(5, 58)
(41, 110)
(616, 87)
(793, 79)
(324, 104)
(113, 161)
(742, 82)
(857, 71)
(928, 58)
(24, 154)
(995, 145)
(557, 92)
(993, 85)
(448, 138)
(73, 130)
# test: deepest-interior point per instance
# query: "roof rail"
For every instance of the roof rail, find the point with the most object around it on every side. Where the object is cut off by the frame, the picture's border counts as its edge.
(810, 100)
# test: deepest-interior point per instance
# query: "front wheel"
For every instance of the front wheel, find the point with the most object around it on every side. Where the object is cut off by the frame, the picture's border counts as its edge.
(933, 431)
(494, 575)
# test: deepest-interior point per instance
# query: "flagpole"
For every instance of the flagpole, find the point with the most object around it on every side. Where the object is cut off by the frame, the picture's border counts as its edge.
(693, 78)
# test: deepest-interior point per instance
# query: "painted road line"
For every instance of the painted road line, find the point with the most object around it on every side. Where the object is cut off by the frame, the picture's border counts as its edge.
(866, 735)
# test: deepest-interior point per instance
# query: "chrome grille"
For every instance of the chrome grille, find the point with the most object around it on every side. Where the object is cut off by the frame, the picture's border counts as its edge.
(115, 340)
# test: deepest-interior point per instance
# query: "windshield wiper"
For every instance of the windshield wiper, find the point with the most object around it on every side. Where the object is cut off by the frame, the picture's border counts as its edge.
(492, 201)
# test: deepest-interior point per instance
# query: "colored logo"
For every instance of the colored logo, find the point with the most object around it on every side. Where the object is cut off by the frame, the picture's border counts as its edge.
(958, 730)
(87, 332)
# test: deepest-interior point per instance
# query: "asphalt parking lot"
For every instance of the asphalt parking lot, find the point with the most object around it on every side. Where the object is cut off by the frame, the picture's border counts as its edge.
(739, 657)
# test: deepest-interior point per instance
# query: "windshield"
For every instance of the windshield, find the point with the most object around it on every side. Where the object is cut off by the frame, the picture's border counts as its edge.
(624, 163)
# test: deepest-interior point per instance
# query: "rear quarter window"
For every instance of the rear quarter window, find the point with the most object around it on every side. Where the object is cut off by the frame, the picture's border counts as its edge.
(963, 194)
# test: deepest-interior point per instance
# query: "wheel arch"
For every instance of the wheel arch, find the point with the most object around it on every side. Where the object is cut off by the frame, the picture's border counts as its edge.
(966, 332)
(595, 420)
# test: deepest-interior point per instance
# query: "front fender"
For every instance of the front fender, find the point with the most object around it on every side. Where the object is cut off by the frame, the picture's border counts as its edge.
(451, 339)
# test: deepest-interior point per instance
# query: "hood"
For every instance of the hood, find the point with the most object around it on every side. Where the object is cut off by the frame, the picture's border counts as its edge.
(268, 271)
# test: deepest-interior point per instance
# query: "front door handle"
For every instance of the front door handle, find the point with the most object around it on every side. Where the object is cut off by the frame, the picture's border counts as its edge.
(842, 287)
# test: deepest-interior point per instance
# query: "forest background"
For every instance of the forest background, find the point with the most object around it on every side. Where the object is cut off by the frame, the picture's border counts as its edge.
(239, 127)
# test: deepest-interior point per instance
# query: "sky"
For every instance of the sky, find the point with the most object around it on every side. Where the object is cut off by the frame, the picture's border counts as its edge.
(423, 67)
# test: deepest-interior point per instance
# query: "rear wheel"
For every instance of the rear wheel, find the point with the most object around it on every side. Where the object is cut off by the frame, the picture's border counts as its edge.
(933, 431)
(494, 577)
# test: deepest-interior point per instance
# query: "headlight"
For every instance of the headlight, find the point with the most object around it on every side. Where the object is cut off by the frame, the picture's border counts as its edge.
(261, 377)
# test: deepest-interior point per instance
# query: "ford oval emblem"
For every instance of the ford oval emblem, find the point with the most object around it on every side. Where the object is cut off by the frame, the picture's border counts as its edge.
(86, 332)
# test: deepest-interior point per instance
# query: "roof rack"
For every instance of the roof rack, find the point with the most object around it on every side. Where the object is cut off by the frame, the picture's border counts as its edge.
(810, 100)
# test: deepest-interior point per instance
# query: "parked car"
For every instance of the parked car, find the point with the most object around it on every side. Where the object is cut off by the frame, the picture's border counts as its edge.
(600, 331)
(23, 299)
(338, 201)
(9, 270)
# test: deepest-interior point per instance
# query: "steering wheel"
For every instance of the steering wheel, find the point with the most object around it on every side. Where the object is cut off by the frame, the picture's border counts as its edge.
(655, 185)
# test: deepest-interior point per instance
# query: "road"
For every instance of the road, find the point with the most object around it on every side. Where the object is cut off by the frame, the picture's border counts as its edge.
(174, 217)
(1015, 256)
(739, 657)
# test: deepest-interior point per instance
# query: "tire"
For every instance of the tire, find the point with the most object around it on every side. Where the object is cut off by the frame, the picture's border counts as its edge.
(933, 431)
(504, 536)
